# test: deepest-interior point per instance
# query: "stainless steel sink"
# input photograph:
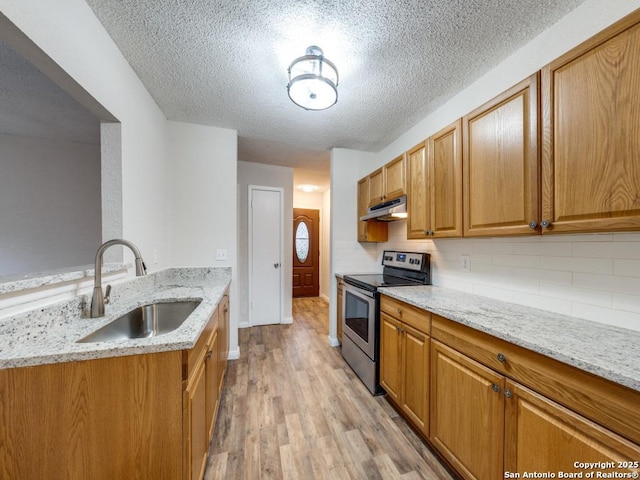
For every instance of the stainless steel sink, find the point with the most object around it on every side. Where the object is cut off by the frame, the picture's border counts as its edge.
(145, 321)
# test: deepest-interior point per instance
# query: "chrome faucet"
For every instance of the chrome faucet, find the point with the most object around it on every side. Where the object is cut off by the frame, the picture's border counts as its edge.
(97, 301)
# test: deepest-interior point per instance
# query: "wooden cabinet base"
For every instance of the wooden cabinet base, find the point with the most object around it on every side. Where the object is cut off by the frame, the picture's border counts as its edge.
(98, 419)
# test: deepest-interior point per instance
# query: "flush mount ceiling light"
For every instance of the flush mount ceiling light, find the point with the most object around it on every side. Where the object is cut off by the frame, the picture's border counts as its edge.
(313, 81)
(307, 188)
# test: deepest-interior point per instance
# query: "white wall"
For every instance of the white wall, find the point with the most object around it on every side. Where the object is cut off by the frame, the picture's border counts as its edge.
(325, 246)
(69, 33)
(347, 255)
(588, 276)
(265, 176)
(319, 201)
(203, 207)
(49, 204)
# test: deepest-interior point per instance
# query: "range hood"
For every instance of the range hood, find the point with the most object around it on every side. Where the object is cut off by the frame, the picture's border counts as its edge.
(388, 211)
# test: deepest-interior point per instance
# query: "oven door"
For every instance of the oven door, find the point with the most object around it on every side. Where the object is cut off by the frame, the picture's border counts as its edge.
(359, 318)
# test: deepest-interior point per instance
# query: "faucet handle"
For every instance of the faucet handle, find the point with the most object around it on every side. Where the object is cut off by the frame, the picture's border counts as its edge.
(107, 294)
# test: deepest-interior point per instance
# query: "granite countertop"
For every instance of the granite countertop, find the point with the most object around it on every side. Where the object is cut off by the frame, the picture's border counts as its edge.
(49, 335)
(607, 351)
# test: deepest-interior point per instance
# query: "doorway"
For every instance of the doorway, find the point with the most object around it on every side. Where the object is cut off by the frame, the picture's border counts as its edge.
(265, 255)
(306, 253)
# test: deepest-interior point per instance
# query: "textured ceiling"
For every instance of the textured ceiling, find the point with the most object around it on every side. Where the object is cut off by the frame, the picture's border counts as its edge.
(32, 105)
(224, 63)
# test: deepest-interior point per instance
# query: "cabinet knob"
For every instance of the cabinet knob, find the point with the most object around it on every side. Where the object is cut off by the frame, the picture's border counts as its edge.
(209, 353)
(533, 224)
(507, 393)
(431, 233)
(495, 387)
(426, 232)
(501, 358)
(400, 311)
(545, 223)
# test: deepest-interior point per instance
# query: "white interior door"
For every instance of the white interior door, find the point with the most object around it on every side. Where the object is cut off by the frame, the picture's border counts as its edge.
(265, 255)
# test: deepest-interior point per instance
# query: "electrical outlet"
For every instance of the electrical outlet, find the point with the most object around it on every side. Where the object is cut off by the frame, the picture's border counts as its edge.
(221, 254)
(465, 263)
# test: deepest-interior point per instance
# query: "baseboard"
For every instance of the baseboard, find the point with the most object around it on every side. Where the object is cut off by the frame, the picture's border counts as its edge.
(324, 297)
(287, 320)
(244, 325)
(234, 354)
(333, 341)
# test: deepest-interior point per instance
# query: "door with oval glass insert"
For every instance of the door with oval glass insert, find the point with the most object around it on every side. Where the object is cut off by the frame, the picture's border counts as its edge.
(306, 253)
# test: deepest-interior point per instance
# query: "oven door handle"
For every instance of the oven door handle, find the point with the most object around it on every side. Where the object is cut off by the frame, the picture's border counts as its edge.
(359, 292)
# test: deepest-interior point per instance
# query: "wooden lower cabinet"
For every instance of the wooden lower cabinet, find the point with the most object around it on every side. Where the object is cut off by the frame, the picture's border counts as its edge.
(467, 413)
(404, 365)
(339, 315)
(195, 426)
(543, 436)
(488, 426)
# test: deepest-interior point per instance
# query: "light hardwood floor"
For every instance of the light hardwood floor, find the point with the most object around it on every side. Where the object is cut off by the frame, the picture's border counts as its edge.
(293, 409)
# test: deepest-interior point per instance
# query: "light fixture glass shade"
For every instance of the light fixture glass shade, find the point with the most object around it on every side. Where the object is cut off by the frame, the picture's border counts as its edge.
(313, 81)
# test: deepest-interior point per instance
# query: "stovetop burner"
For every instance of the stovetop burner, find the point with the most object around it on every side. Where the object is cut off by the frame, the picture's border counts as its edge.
(373, 281)
(400, 269)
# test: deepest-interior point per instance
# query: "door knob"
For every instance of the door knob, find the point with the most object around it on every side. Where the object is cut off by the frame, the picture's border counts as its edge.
(276, 265)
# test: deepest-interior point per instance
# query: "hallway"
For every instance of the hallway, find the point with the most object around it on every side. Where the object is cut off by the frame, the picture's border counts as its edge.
(293, 409)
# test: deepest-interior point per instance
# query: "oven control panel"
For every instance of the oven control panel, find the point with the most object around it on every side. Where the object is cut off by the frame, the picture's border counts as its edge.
(407, 260)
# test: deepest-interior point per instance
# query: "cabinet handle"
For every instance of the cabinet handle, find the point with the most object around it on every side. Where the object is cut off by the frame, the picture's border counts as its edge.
(501, 358)
(209, 353)
(496, 388)
(507, 393)
(533, 224)
(426, 233)
(545, 223)
(400, 311)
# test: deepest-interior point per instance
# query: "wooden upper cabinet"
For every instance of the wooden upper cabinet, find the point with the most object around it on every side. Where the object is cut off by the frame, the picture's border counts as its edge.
(591, 134)
(372, 230)
(394, 178)
(387, 182)
(376, 187)
(418, 193)
(445, 180)
(500, 164)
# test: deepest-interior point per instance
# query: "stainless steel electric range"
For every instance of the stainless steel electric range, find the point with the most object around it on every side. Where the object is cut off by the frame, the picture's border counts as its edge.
(361, 310)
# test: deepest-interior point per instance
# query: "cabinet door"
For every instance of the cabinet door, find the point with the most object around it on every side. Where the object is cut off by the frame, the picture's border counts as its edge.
(394, 178)
(445, 178)
(415, 376)
(500, 169)
(223, 339)
(418, 194)
(541, 435)
(372, 230)
(467, 413)
(363, 204)
(390, 356)
(339, 314)
(376, 187)
(196, 430)
(591, 134)
(211, 372)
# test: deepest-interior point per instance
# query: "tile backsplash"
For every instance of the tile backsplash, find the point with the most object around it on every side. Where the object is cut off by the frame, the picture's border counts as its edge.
(591, 276)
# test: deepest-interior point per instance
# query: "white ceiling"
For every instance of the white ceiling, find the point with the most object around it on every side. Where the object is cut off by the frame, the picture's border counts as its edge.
(224, 63)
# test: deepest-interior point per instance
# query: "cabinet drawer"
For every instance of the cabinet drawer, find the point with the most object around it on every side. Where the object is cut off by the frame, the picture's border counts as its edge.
(412, 316)
(191, 358)
(600, 400)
